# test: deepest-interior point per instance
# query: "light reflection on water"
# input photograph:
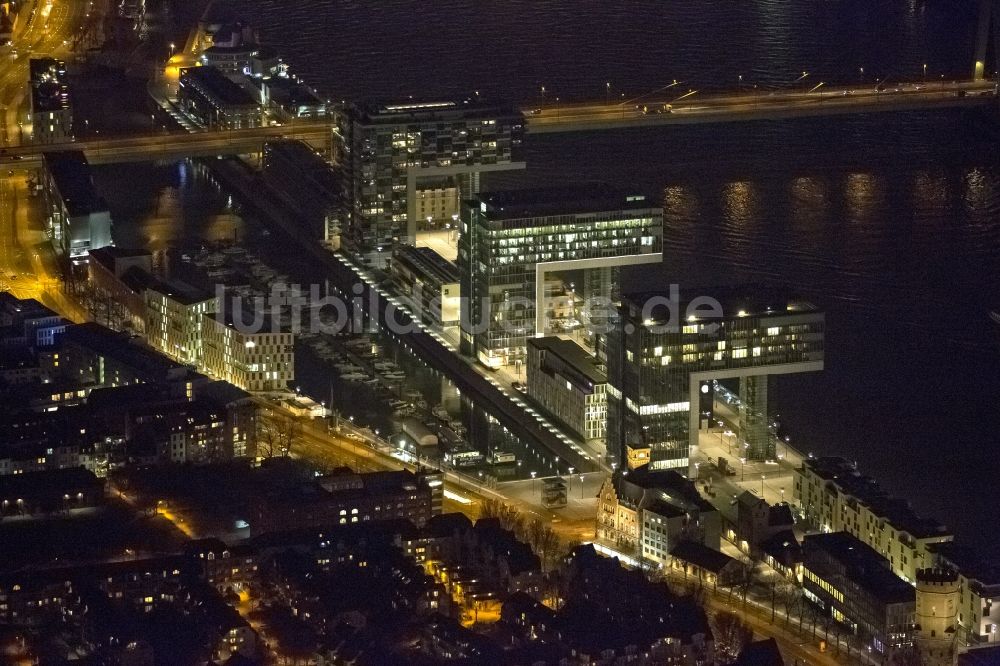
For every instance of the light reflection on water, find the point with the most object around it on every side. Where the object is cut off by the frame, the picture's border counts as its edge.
(889, 222)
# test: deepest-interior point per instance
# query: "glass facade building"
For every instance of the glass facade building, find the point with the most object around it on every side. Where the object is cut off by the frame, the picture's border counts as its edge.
(387, 148)
(509, 240)
(662, 349)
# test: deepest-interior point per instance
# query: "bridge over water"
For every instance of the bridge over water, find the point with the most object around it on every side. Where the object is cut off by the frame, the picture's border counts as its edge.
(690, 107)
(693, 107)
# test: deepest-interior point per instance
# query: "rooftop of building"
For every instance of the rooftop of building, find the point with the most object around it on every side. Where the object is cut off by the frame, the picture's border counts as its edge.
(633, 486)
(411, 110)
(427, 262)
(862, 565)
(221, 393)
(212, 81)
(446, 525)
(121, 398)
(376, 531)
(33, 484)
(107, 255)
(289, 92)
(971, 563)
(23, 308)
(503, 542)
(983, 655)
(896, 512)
(137, 279)
(579, 199)
(308, 164)
(572, 355)
(248, 322)
(48, 85)
(736, 301)
(128, 351)
(783, 547)
(244, 47)
(343, 484)
(71, 173)
(43, 69)
(702, 556)
(179, 291)
(780, 515)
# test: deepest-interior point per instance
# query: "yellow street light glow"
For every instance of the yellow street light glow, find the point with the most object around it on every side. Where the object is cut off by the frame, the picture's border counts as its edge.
(456, 497)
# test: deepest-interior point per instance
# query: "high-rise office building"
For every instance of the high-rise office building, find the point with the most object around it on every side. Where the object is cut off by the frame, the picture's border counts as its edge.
(388, 149)
(663, 352)
(51, 108)
(510, 241)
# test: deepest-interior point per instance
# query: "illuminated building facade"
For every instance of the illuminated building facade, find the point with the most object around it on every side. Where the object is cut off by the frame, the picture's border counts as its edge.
(853, 584)
(663, 352)
(389, 148)
(565, 380)
(510, 241)
(174, 319)
(430, 281)
(832, 496)
(648, 513)
(253, 361)
(77, 218)
(51, 110)
(216, 100)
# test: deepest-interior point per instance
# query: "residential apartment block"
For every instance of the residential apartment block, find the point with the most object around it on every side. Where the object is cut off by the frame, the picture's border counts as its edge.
(252, 357)
(175, 319)
(832, 496)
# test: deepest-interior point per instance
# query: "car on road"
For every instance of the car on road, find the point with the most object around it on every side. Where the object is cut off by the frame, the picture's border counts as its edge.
(518, 386)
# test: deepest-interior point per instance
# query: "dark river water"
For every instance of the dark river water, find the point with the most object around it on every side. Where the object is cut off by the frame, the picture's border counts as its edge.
(889, 222)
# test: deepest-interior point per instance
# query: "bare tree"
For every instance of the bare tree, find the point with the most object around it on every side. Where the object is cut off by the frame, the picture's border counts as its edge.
(533, 533)
(790, 594)
(731, 633)
(275, 436)
(907, 657)
(509, 518)
(750, 574)
(548, 546)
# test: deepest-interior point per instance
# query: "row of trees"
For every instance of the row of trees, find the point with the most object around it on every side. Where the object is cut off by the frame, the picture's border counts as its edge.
(536, 533)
